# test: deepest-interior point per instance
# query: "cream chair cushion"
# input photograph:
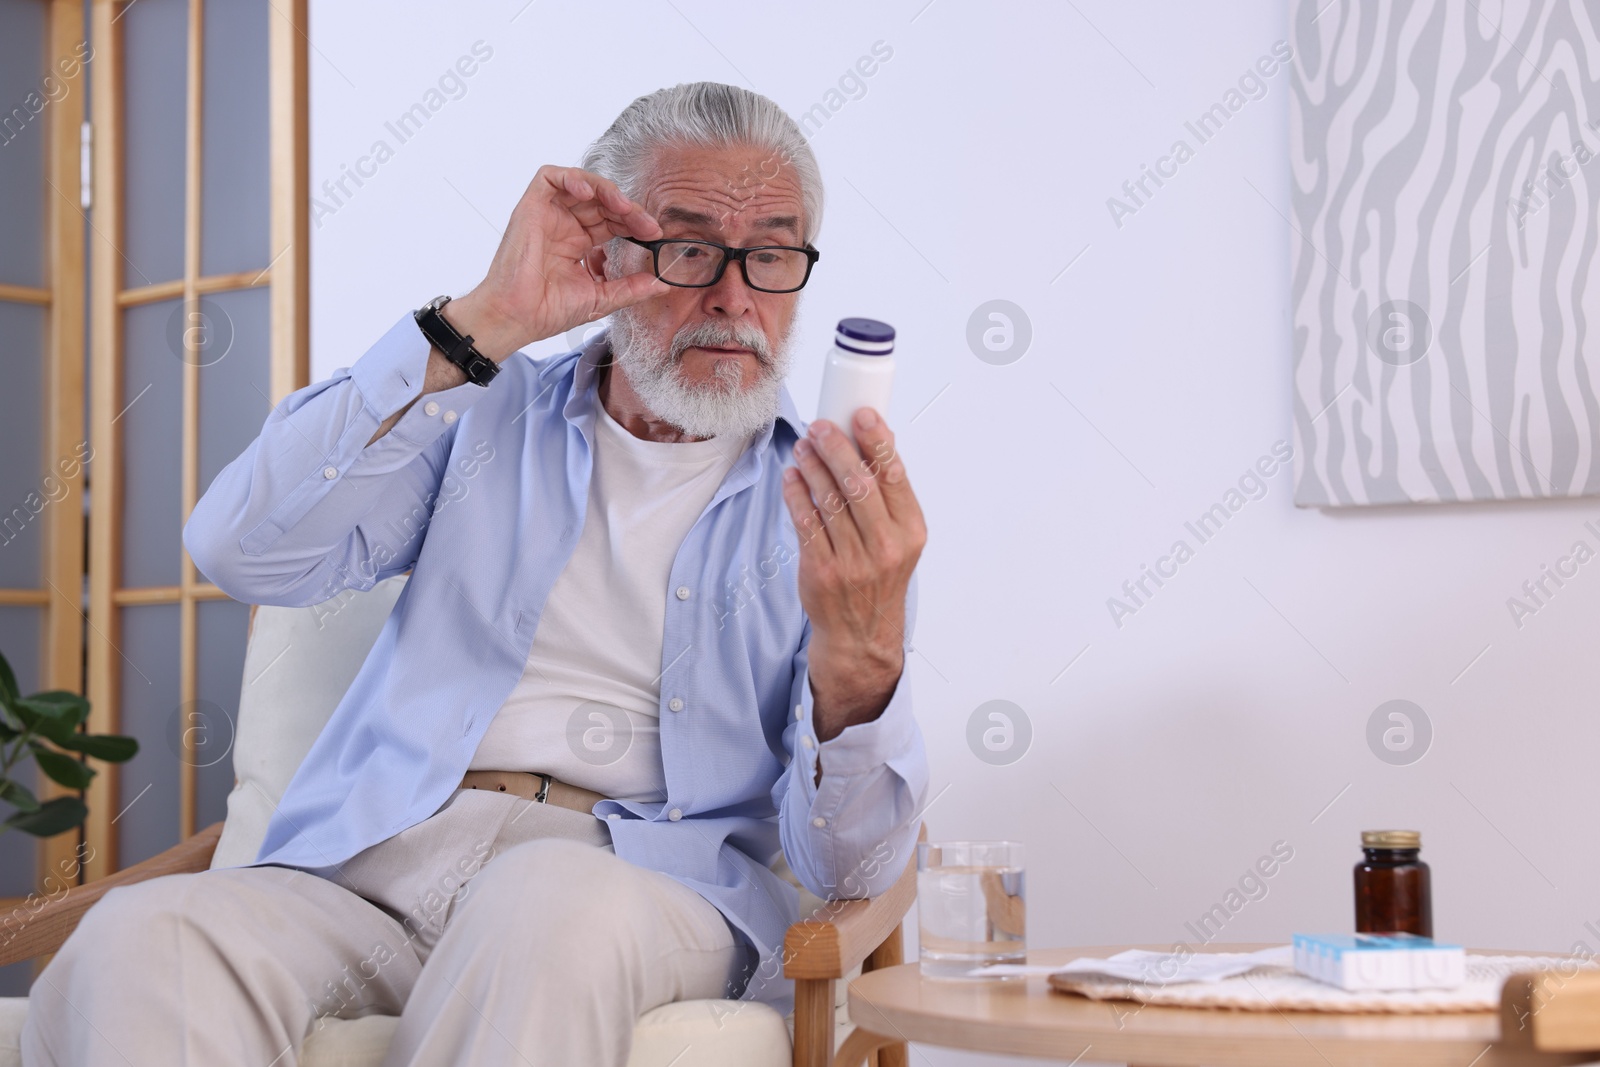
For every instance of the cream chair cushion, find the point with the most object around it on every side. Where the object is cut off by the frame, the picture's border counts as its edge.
(693, 1033)
(12, 1011)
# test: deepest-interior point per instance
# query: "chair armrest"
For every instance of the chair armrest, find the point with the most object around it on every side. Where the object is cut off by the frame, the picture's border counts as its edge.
(1551, 1011)
(40, 925)
(833, 943)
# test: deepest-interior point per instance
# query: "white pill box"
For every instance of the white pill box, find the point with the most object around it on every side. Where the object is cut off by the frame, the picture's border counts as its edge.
(1379, 961)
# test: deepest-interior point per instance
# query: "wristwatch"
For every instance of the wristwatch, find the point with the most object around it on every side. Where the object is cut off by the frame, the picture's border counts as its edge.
(479, 369)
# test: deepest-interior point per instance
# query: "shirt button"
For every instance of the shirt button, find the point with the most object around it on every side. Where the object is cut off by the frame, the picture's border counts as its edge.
(819, 822)
(614, 816)
(330, 473)
(805, 739)
(675, 704)
(450, 417)
(799, 712)
(430, 408)
(675, 814)
(683, 592)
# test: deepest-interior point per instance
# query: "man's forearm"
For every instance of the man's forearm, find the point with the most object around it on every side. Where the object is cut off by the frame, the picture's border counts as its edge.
(276, 520)
(869, 800)
(852, 687)
(442, 374)
(492, 335)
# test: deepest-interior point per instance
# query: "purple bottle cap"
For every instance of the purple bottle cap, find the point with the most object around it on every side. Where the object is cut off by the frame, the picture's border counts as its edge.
(867, 337)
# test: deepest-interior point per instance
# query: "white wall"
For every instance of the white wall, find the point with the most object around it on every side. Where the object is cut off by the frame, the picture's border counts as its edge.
(1228, 712)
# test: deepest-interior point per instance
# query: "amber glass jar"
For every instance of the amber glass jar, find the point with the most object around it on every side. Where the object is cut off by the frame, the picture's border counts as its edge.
(1394, 894)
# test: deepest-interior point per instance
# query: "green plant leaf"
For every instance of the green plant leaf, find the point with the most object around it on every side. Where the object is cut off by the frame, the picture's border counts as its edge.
(61, 769)
(8, 683)
(112, 748)
(44, 726)
(8, 732)
(53, 817)
(18, 795)
(45, 719)
(8, 695)
(60, 704)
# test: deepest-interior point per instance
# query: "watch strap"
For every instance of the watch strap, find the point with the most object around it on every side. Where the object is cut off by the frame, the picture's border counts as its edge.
(457, 348)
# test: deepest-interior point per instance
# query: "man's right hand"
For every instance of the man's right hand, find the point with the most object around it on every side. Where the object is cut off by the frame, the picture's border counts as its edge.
(540, 283)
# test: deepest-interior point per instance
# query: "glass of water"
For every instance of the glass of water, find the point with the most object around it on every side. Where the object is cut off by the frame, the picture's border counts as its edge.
(970, 906)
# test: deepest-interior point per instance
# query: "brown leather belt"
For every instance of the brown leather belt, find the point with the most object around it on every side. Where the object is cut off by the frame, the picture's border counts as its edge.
(536, 786)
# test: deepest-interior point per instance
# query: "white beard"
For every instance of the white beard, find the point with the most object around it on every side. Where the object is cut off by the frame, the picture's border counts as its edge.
(719, 408)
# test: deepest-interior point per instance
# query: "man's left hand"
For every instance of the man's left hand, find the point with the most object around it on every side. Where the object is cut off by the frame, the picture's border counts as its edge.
(861, 531)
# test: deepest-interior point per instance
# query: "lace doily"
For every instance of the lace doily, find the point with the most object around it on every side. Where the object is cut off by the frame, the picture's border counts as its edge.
(1273, 988)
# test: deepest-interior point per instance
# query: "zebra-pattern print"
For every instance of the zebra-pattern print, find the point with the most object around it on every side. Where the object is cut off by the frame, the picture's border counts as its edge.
(1444, 158)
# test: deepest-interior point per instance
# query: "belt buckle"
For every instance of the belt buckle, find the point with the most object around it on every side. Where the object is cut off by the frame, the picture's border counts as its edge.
(543, 796)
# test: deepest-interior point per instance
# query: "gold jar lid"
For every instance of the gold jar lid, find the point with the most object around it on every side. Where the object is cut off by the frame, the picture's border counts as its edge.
(1391, 839)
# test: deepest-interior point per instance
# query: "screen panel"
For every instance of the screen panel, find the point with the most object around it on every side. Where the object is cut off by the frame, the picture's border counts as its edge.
(235, 387)
(26, 96)
(214, 713)
(19, 640)
(235, 177)
(200, 156)
(151, 424)
(33, 105)
(154, 88)
(147, 801)
(24, 493)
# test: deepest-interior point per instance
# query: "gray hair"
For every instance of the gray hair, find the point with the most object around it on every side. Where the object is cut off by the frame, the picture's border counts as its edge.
(710, 115)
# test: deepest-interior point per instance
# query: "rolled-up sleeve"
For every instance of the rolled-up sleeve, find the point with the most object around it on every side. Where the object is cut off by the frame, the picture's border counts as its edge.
(310, 508)
(851, 835)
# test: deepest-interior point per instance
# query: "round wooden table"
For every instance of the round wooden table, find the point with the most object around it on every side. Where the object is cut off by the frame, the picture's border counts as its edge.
(1025, 1018)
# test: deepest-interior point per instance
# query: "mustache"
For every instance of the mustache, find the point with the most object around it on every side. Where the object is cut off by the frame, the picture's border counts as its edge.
(722, 335)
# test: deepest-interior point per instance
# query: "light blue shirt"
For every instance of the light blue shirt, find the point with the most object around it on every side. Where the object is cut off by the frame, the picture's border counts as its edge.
(481, 493)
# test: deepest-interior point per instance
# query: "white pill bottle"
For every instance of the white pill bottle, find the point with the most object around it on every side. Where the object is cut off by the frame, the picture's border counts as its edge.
(858, 372)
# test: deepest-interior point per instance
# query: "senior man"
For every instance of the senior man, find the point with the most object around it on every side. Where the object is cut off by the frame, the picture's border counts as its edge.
(654, 632)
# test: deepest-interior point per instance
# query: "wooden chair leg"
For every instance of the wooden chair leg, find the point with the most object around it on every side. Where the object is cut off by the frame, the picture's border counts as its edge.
(889, 954)
(813, 1022)
(859, 1048)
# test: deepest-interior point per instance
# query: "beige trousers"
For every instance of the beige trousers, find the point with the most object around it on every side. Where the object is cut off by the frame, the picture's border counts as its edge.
(501, 931)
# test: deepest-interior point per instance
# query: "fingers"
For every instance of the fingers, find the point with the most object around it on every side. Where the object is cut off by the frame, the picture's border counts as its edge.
(586, 186)
(855, 480)
(806, 519)
(831, 503)
(627, 290)
(877, 447)
(598, 205)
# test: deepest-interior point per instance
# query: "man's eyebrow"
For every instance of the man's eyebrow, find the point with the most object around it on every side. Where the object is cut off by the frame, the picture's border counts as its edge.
(780, 222)
(683, 214)
(700, 218)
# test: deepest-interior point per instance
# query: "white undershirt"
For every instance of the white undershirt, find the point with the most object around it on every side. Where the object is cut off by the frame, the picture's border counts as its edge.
(587, 707)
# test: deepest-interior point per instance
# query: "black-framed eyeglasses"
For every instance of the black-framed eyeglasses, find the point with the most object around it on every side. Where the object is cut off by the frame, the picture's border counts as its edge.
(699, 264)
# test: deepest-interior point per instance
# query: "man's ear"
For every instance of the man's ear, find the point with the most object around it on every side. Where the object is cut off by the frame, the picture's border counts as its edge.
(596, 262)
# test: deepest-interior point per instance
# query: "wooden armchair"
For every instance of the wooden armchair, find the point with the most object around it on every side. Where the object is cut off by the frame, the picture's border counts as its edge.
(314, 653)
(43, 929)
